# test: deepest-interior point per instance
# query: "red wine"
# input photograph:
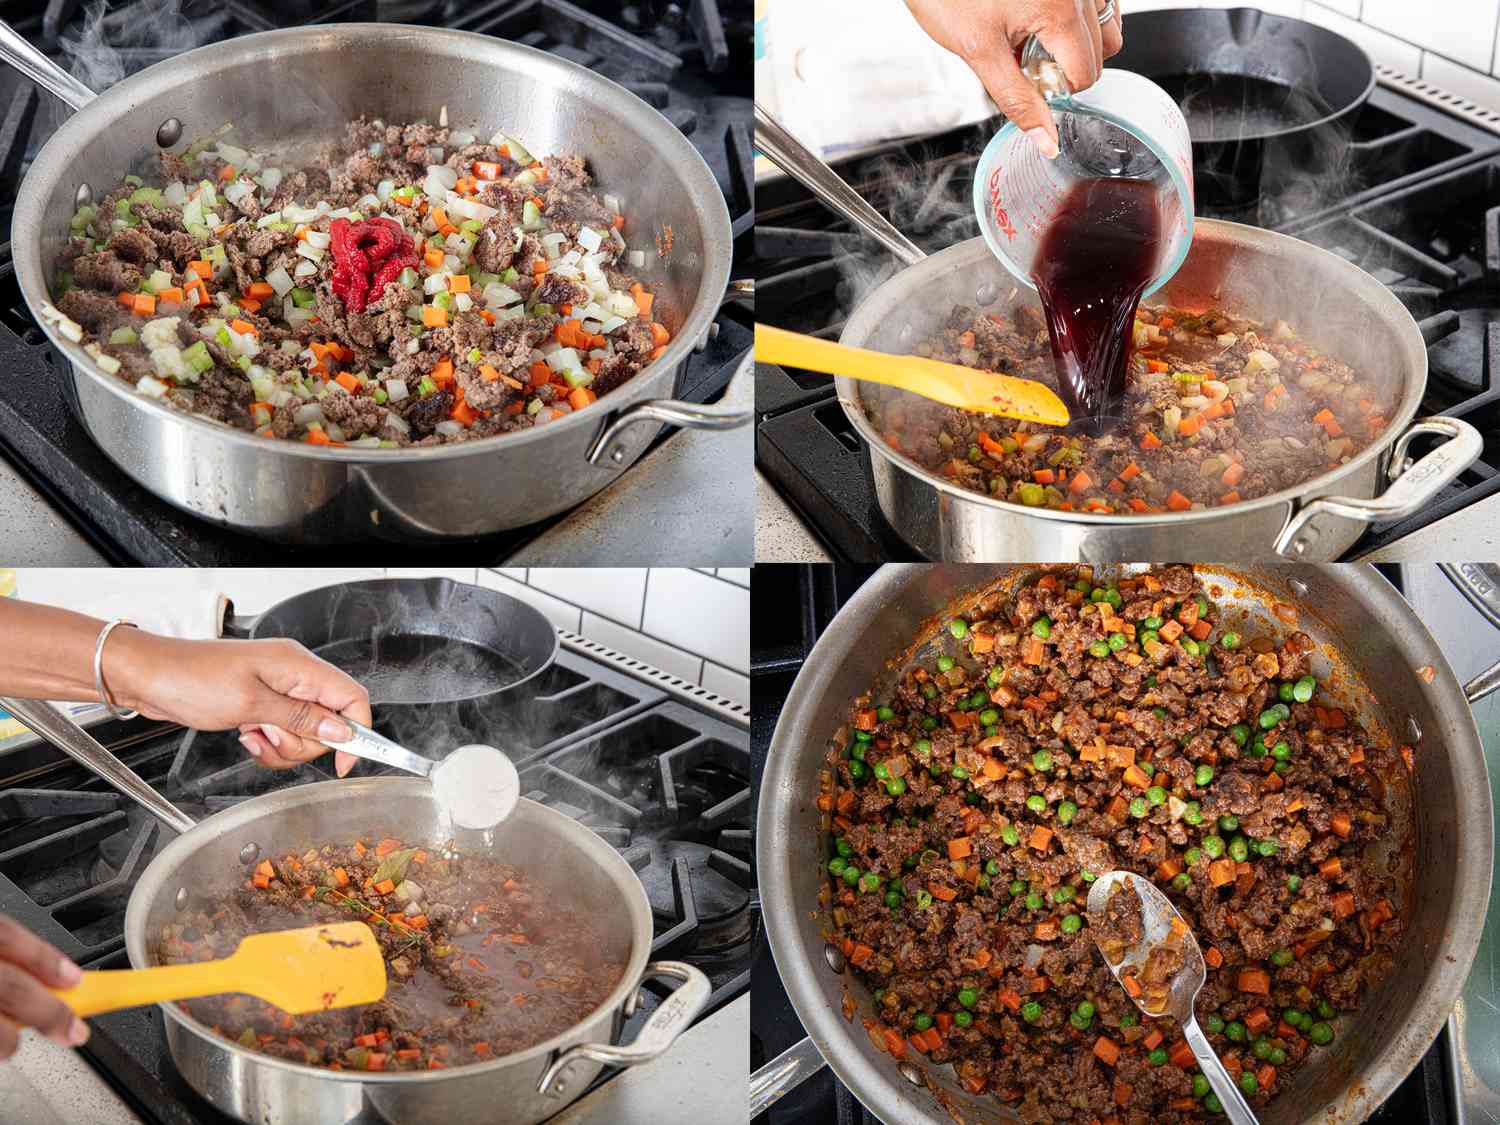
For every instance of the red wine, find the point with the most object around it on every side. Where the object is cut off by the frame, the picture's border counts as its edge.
(1095, 260)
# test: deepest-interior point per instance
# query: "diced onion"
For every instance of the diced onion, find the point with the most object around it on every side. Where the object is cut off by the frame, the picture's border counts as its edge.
(611, 324)
(395, 389)
(319, 238)
(175, 194)
(309, 251)
(305, 269)
(268, 218)
(384, 188)
(270, 179)
(463, 302)
(589, 238)
(552, 243)
(469, 209)
(307, 413)
(612, 203)
(497, 295)
(151, 387)
(449, 428)
(397, 423)
(280, 280)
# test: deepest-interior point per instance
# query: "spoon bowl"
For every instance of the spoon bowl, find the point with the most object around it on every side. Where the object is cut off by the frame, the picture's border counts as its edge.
(477, 786)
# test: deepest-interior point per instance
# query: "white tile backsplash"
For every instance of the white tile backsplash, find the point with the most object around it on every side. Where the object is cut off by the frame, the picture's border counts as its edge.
(1464, 30)
(701, 613)
(1403, 56)
(729, 684)
(614, 592)
(563, 614)
(683, 665)
(1480, 88)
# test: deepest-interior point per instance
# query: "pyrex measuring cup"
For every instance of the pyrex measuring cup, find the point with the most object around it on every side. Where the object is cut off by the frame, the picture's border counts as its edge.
(1123, 125)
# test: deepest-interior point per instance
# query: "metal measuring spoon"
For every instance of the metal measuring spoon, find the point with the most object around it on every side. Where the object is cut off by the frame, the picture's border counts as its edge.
(1157, 915)
(477, 785)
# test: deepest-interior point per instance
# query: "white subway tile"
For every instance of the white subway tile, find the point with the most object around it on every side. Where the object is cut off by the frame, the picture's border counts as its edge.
(559, 612)
(1460, 29)
(1461, 80)
(457, 573)
(1382, 48)
(516, 572)
(683, 665)
(253, 589)
(739, 575)
(701, 614)
(729, 684)
(1349, 8)
(615, 592)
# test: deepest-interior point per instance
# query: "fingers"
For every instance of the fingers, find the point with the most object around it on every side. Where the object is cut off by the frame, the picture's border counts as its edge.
(274, 748)
(41, 959)
(31, 966)
(1017, 98)
(303, 705)
(1113, 34)
(1072, 42)
(1096, 35)
(10, 1038)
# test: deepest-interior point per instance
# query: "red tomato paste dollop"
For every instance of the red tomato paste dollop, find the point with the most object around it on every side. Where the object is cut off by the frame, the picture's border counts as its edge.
(366, 256)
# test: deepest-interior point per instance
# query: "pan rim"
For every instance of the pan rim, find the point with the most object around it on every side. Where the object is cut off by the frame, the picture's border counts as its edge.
(81, 127)
(365, 789)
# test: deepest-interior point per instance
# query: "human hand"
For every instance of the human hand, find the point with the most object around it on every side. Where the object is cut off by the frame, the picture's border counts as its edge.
(28, 968)
(283, 699)
(987, 34)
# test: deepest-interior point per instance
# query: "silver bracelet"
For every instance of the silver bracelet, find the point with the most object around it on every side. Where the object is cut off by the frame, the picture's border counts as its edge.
(109, 704)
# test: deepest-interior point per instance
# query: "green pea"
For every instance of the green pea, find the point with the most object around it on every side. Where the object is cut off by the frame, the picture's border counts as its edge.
(979, 699)
(1213, 846)
(989, 716)
(896, 786)
(882, 771)
(1112, 596)
(1153, 622)
(1230, 640)
(1097, 594)
(1116, 642)
(984, 883)
(972, 797)
(1139, 807)
(1147, 768)
(1284, 692)
(1099, 648)
(1267, 847)
(1034, 901)
(1261, 1049)
(869, 882)
(1088, 876)
(1082, 586)
(1294, 883)
(858, 751)
(1229, 823)
(843, 847)
(1258, 746)
(929, 691)
(1240, 733)
(1281, 751)
(1212, 1104)
(1064, 893)
(1292, 1016)
(1190, 646)
(959, 628)
(1144, 636)
(1278, 1056)
(1129, 1019)
(863, 735)
(1082, 1023)
(1071, 923)
(992, 730)
(1214, 1024)
(1248, 1082)
(923, 747)
(1281, 958)
(992, 867)
(924, 900)
(1036, 803)
(1203, 775)
(1302, 690)
(1192, 856)
(1282, 767)
(968, 997)
(922, 1021)
(1156, 795)
(1181, 881)
(1066, 812)
(858, 770)
(1157, 1057)
(894, 899)
(945, 663)
(963, 1019)
(1326, 1010)
(1320, 1033)
(1042, 627)
(884, 714)
(994, 678)
(1201, 1088)
(1234, 1031)
(960, 773)
(836, 865)
(928, 722)
(852, 874)
(1239, 851)
(1042, 760)
(1192, 812)
(1010, 835)
(1031, 1011)
(1018, 887)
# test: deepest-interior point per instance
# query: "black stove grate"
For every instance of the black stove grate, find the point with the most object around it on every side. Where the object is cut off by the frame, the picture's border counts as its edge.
(672, 56)
(666, 785)
(780, 642)
(1408, 193)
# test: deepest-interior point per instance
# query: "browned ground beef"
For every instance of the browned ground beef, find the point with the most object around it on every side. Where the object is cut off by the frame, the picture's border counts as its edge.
(1084, 729)
(1270, 439)
(481, 962)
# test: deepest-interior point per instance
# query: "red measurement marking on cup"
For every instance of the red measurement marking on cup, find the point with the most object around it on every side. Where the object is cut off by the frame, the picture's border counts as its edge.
(1002, 218)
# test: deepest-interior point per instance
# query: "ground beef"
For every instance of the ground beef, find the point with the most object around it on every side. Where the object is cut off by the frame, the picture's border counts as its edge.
(1294, 412)
(974, 802)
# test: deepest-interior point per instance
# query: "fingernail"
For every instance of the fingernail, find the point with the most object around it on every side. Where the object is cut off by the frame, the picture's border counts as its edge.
(69, 973)
(331, 730)
(273, 736)
(246, 742)
(78, 1033)
(1043, 141)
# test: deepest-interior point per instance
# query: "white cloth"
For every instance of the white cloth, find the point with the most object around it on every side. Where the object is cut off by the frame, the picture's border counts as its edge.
(173, 601)
(845, 75)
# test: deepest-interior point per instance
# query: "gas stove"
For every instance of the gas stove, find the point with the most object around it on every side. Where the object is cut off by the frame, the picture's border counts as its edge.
(1458, 1080)
(677, 57)
(1407, 191)
(657, 767)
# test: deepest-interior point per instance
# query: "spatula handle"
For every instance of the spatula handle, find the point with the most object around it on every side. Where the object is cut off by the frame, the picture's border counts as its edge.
(107, 990)
(777, 345)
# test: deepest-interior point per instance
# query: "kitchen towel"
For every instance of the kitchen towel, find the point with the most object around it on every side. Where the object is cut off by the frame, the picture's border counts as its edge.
(175, 602)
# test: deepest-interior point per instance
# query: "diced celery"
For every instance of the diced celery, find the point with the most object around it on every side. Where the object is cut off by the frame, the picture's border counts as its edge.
(509, 275)
(196, 356)
(198, 230)
(531, 216)
(222, 335)
(435, 240)
(380, 396)
(474, 354)
(243, 361)
(134, 181)
(541, 308)
(303, 298)
(158, 281)
(386, 443)
(123, 336)
(470, 225)
(280, 224)
(408, 277)
(443, 300)
(149, 195)
(534, 406)
(122, 208)
(482, 279)
(355, 217)
(426, 386)
(577, 378)
(64, 282)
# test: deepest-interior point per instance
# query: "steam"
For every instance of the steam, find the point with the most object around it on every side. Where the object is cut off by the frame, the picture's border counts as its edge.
(153, 28)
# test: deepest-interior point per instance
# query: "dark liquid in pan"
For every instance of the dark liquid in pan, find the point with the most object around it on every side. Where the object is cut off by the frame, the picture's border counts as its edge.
(1229, 107)
(411, 668)
(1094, 262)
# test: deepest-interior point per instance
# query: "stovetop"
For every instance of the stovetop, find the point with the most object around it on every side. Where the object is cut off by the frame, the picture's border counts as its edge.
(805, 600)
(1408, 192)
(690, 60)
(665, 782)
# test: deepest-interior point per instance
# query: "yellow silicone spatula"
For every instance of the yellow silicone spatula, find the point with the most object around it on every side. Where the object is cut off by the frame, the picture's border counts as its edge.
(949, 383)
(306, 970)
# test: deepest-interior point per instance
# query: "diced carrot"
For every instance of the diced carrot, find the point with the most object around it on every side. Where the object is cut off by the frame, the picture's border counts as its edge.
(433, 256)
(960, 848)
(860, 954)
(1200, 631)
(244, 327)
(618, 222)
(442, 372)
(1170, 631)
(1221, 872)
(1181, 1055)
(1343, 904)
(1045, 930)
(1214, 958)
(144, 304)
(1257, 1020)
(260, 290)
(1340, 823)
(227, 173)
(202, 267)
(1265, 1076)
(1150, 441)
(643, 299)
(375, 1060)
(1137, 777)
(486, 170)
(260, 881)
(1156, 366)
(1032, 650)
(1010, 998)
(1257, 981)
(990, 445)
(249, 304)
(1137, 504)
(1169, 868)
(340, 877)
(944, 1022)
(384, 887)
(347, 381)
(1153, 1039)
(1080, 482)
(1231, 476)
(172, 295)
(938, 891)
(980, 643)
(1040, 838)
(659, 334)
(1178, 502)
(458, 283)
(1124, 1091)
(464, 414)
(1130, 471)
(1331, 867)
(933, 1038)
(1106, 1050)
(1190, 426)
(1116, 808)
(1043, 476)
(1323, 417)
(434, 317)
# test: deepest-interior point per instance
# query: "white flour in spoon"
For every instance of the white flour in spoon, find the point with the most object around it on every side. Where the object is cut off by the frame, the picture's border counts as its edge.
(476, 786)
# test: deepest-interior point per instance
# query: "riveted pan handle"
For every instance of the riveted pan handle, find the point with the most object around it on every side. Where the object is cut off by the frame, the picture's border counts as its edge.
(57, 728)
(40, 69)
(606, 450)
(670, 1020)
(1411, 486)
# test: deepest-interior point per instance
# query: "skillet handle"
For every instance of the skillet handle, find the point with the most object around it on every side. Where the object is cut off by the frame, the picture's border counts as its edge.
(606, 451)
(1411, 486)
(22, 56)
(670, 1020)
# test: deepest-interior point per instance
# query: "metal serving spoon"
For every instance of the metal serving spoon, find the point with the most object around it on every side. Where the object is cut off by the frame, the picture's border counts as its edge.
(1157, 916)
(477, 785)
